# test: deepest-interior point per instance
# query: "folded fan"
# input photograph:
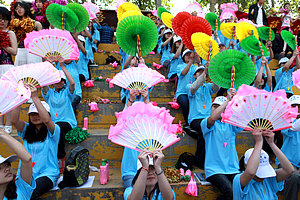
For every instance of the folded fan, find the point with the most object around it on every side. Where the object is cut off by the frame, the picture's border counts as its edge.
(167, 19)
(205, 46)
(229, 30)
(255, 47)
(266, 33)
(52, 42)
(12, 95)
(195, 7)
(193, 25)
(38, 74)
(290, 39)
(213, 20)
(143, 126)
(82, 15)
(124, 7)
(93, 7)
(92, 14)
(178, 21)
(244, 29)
(252, 107)
(141, 77)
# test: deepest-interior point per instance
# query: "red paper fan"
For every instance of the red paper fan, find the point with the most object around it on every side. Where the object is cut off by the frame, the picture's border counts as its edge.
(193, 25)
(179, 20)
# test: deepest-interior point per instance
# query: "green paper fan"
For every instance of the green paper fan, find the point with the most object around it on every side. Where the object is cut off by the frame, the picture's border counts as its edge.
(289, 39)
(212, 18)
(76, 135)
(161, 10)
(264, 33)
(54, 15)
(130, 27)
(220, 69)
(82, 15)
(252, 45)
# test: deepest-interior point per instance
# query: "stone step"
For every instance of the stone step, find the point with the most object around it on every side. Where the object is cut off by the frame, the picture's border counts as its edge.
(101, 147)
(161, 93)
(106, 114)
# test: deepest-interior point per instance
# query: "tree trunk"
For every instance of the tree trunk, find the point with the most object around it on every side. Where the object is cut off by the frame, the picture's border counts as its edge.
(212, 4)
(157, 3)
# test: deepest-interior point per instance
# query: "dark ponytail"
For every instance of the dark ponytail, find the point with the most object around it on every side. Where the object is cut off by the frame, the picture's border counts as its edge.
(11, 190)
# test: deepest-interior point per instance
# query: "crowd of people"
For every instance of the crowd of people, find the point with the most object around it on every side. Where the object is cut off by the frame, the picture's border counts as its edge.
(43, 149)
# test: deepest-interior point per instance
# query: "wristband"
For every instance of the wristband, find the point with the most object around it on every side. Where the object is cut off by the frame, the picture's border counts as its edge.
(162, 171)
(145, 169)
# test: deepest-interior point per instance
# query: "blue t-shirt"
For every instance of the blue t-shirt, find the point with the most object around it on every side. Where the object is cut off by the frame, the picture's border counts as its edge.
(60, 103)
(174, 63)
(83, 65)
(256, 190)
(24, 190)
(73, 69)
(200, 102)
(183, 80)
(159, 196)
(124, 57)
(95, 36)
(129, 162)
(284, 80)
(165, 52)
(44, 155)
(221, 156)
(89, 49)
(291, 146)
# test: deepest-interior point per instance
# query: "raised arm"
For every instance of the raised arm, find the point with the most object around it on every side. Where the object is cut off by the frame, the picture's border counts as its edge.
(269, 46)
(163, 183)
(178, 52)
(269, 76)
(287, 168)
(132, 97)
(168, 41)
(139, 187)
(290, 62)
(79, 43)
(128, 61)
(253, 162)
(22, 153)
(15, 119)
(67, 73)
(188, 66)
(43, 114)
(258, 78)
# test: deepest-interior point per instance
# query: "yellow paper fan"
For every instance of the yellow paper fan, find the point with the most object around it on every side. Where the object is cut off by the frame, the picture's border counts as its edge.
(130, 13)
(227, 30)
(205, 46)
(124, 7)
(167, 19)
(244, 29)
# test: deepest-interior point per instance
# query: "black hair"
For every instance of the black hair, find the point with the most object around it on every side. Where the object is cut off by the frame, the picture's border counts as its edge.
(183, 56)
(5, 13)
(32, 134)
(26, 7)
(93, 29)
(164, 39)
(152, 192)
(242, 164)
(43, 1)
(11, 189)
(286, 4)
(173, 50)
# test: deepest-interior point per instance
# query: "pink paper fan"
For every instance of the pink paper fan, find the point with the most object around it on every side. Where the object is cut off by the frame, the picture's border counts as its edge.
(144, 125)
(93, 7)
(227, 14)
(195, 7)
(118, 3)
(38, 74)
(231, 6)
(296, 78)
(252, 107)
(12, 95)
(141, 77)
(52, 42)
(154, 12)
(92, 14)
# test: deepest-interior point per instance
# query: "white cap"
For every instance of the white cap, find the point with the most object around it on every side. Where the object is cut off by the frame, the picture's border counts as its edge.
(62, 74)
(81, 38)
(139, 164)
(199, 68)
(168, 31)
(9, 159)
(33, 109)
(176, 39)
(295, 99)
(265, 170)
(283, 60)
(186, 51)
(219, 100)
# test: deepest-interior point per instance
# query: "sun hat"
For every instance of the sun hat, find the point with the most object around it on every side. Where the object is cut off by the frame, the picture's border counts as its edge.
(33, 109)
(139, 164)
(265, 170)
(176, 39)
(199, 68)
(168, 31)
(283, 60)
(295, 99)
(186, 51)
(10, 159)
(219, 100)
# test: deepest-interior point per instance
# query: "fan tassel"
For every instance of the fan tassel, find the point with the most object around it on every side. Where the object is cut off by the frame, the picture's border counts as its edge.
(139, 46)
(232, 76)
(270, 34)
(63, 21)
(233, 33)
(210, 50)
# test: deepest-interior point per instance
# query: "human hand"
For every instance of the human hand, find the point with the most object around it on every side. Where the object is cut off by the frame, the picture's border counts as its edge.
(143, 158)
(141, 60)
(264, 61)
(60, 59)
(51, 59)
(231, 43)
(269, 44)
(133, 93)
(33, 90)
(296, 53)
(231, 93)
(158, 157)
(269, 135)
(257, 135)
(144, 93)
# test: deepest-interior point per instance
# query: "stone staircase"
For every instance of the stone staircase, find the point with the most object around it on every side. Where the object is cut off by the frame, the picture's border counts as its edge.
(100, 147)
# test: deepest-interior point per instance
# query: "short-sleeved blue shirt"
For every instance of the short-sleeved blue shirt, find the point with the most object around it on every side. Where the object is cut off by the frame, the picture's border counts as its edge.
(174, 63)
(183, 80)
(221, 156)
(24, 190)
(83, 65)
(284, 80)
(200, 102)
(256, 190)
(44, 155)
(159, 196)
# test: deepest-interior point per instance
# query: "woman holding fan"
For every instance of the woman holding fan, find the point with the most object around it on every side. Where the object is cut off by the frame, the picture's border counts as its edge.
(8, 48)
